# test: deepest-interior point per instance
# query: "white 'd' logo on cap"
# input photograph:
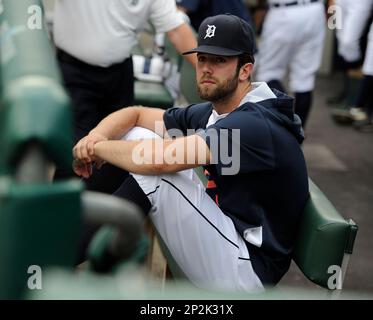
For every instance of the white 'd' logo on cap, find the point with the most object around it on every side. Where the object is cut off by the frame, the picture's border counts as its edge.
(210, 32)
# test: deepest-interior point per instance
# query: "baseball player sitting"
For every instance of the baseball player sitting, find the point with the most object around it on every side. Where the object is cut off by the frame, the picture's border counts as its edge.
(238, 233)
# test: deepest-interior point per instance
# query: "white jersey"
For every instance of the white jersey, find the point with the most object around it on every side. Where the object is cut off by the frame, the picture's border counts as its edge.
(103, 32)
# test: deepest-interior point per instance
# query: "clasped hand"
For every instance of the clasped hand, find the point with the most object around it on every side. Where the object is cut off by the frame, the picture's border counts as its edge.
(84, 155)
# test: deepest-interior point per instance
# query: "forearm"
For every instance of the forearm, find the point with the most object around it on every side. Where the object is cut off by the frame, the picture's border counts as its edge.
(120, 154)
(183, 39)
(115, 125)
(154, 156)
(144, 157)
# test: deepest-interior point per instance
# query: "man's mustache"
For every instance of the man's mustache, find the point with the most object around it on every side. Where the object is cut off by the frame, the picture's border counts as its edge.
(209, 78)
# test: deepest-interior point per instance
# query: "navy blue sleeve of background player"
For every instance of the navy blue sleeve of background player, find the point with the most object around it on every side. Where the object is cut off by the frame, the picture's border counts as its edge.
(190, 5)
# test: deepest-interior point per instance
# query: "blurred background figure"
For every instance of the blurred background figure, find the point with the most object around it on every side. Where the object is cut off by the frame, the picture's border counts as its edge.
(364, 100)
(360, 112)
(198, 10)
(355, 15)
(94, 40)
(292, 39)
(357, 19)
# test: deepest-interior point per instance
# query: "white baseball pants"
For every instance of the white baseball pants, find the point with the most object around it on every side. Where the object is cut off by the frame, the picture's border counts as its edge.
(354, 15)
(368, 61)
(292, 38)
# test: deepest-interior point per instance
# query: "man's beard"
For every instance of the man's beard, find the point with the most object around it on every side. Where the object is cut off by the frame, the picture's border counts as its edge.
(221, 92)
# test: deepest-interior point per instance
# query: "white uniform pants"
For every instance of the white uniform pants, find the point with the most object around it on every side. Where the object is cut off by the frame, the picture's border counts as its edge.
(368, 62)
(200, 237)
(355, 15)
(292, 38)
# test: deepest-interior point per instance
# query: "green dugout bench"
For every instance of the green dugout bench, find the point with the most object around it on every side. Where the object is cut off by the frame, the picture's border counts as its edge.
(325, 241)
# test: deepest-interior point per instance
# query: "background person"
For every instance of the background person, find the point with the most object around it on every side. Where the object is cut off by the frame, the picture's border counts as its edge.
(198, 10)
(94, 40)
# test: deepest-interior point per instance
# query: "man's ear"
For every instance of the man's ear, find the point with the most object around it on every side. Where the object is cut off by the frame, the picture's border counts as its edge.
(246, 71)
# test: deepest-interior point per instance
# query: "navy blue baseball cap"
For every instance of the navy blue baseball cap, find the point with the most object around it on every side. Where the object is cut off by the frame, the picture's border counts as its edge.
(225, 35)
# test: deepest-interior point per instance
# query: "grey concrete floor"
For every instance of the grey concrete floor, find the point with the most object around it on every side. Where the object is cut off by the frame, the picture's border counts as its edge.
(340, 162)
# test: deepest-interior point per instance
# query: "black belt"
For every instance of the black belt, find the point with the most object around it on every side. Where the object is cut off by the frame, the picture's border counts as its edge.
(64, 56)
(293, 3)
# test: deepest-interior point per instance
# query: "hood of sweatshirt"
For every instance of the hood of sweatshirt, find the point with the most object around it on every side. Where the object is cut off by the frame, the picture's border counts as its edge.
(281, 110)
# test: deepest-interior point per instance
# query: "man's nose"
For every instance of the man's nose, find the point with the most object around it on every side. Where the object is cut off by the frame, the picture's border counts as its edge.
(207, 67)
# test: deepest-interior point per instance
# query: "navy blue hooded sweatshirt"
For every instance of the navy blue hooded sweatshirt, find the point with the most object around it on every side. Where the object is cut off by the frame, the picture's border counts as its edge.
(270, 189)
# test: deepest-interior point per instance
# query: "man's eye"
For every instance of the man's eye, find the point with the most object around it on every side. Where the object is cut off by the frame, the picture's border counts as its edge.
(220, 60)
